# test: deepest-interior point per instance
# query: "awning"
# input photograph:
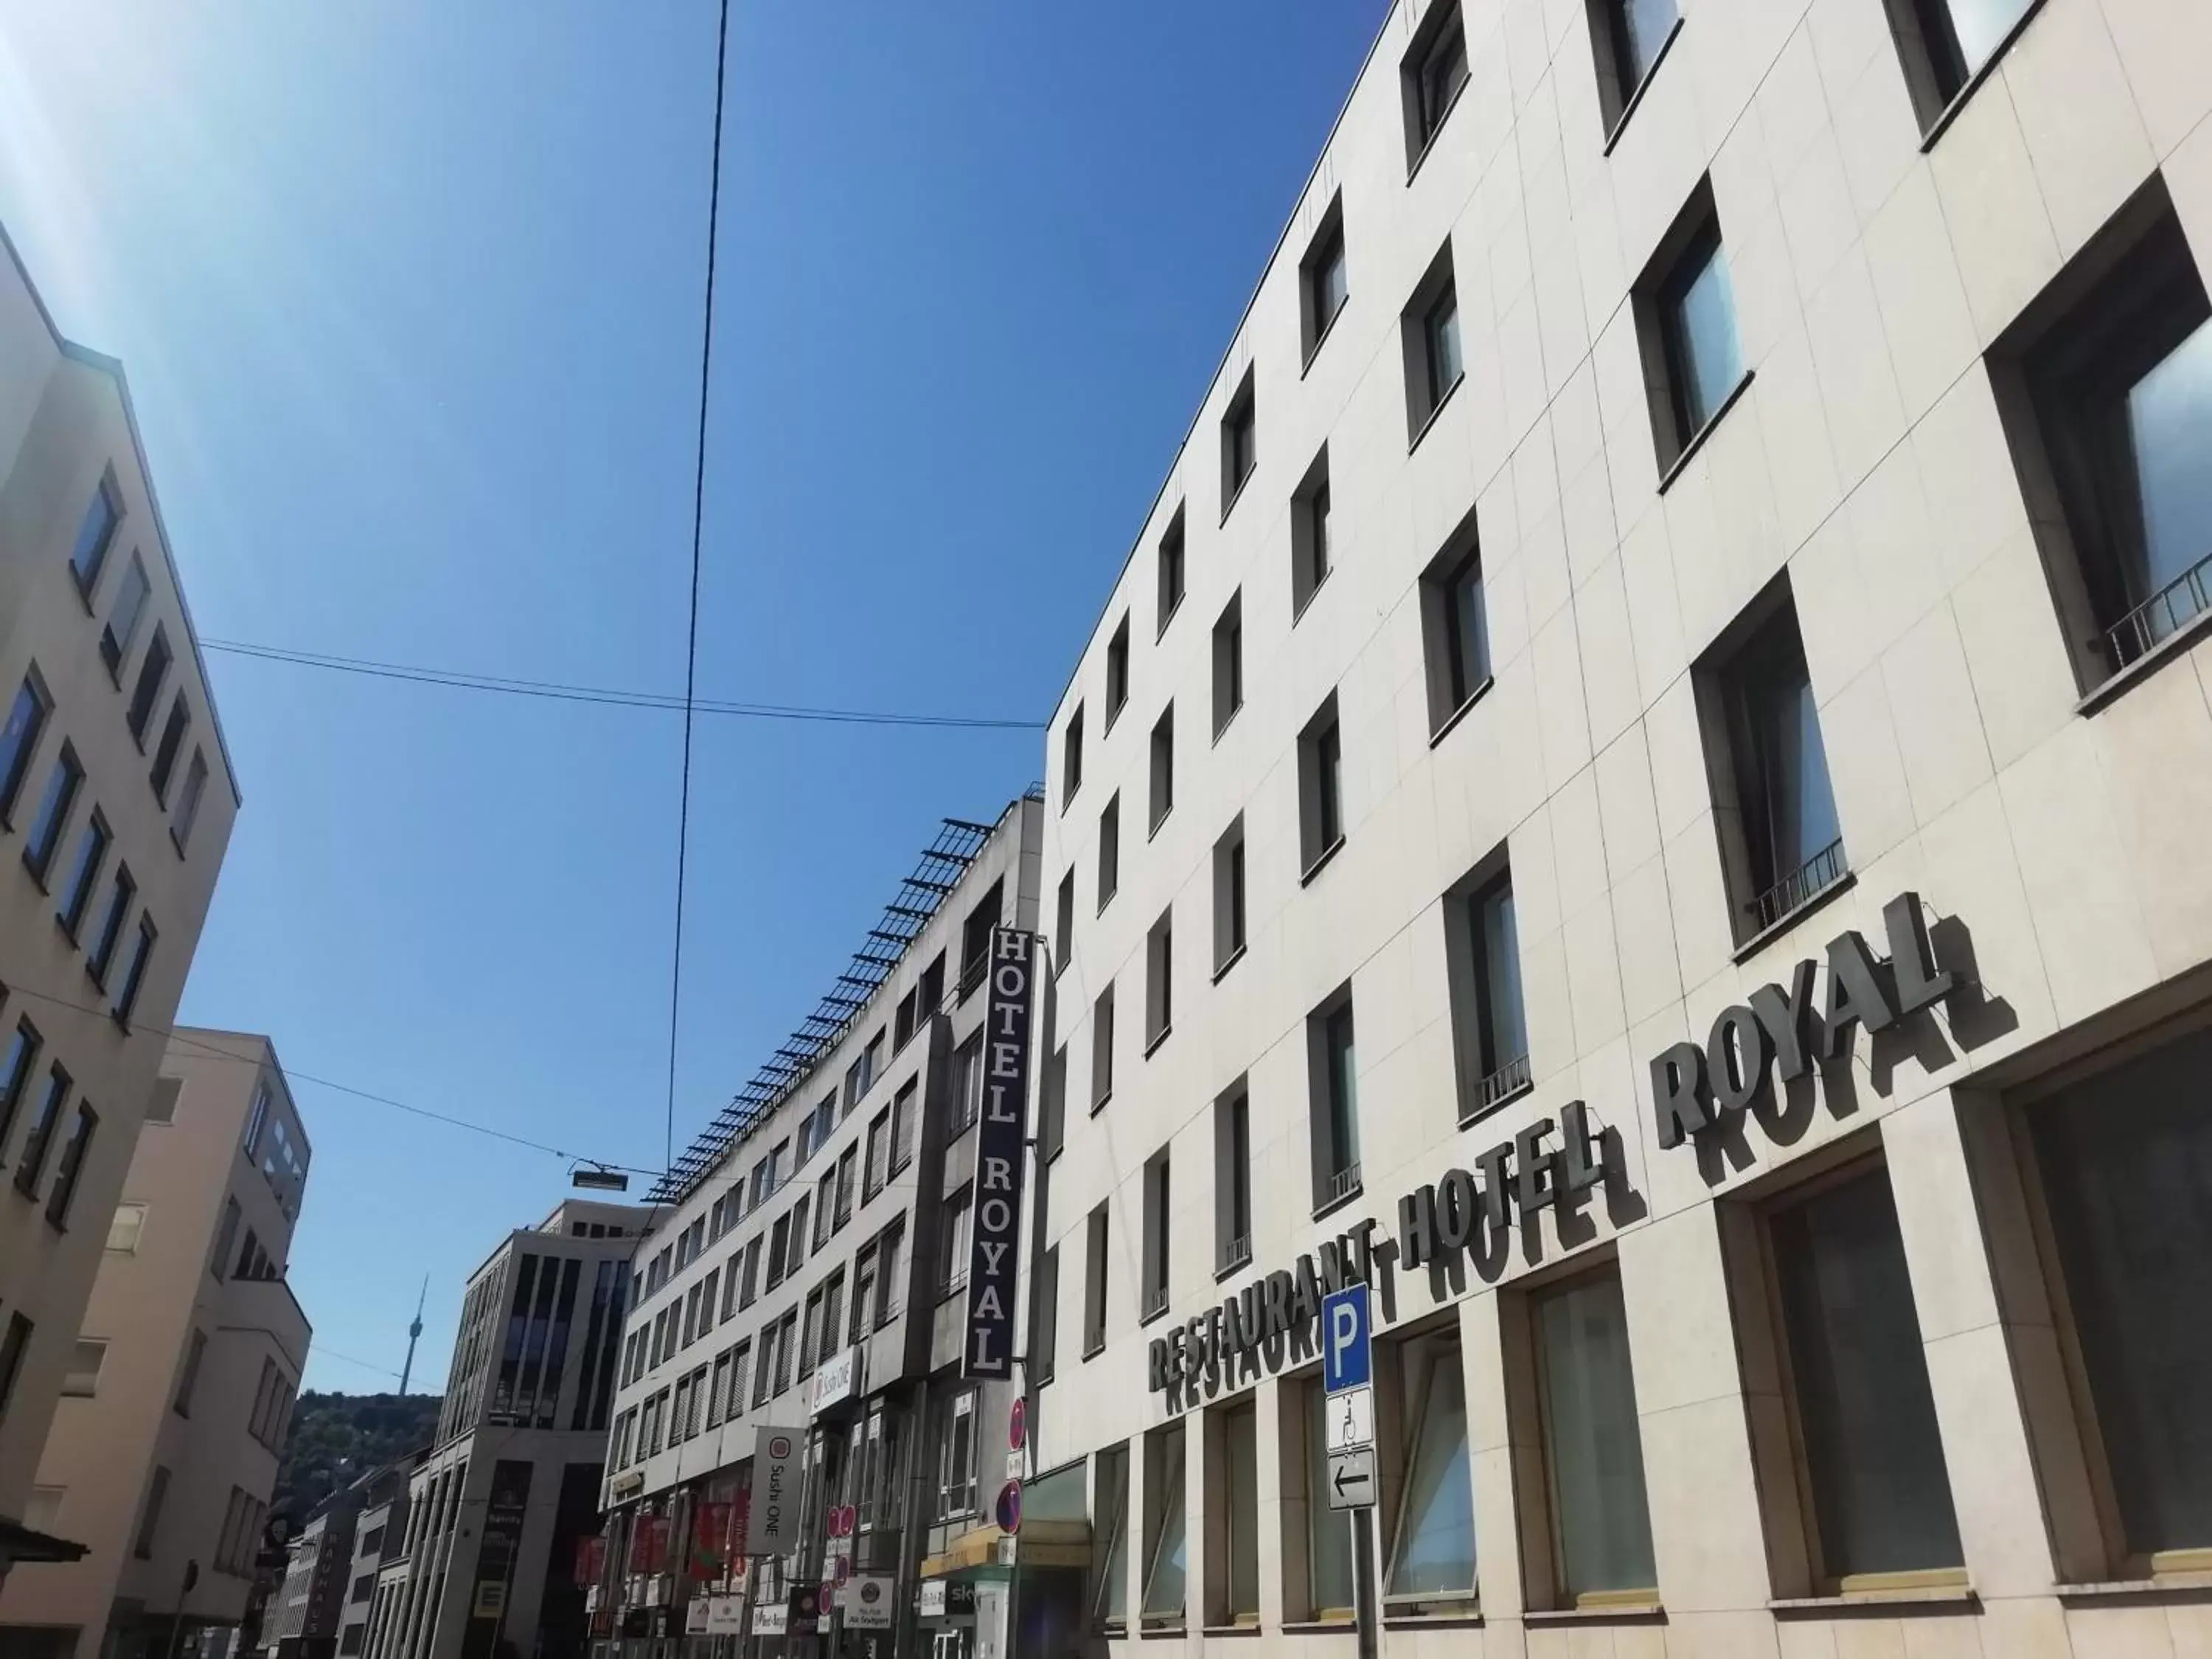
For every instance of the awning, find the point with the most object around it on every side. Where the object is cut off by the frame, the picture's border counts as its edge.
(1042, 1544)
(21, 1543)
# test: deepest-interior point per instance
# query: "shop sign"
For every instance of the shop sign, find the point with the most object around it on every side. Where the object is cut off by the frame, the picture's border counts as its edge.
(725, 1615)
(771, 1619)
(867, 1602)
(804, 1606)
(694, 1616)
(774, 1526)
(1777, 1036)
(838, 1379)
(953, 1598)
(1001, 1151)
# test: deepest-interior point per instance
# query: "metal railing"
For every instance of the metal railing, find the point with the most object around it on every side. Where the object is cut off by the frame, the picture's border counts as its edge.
(1238, 1253)
(1506, 1079)
(1344, 1182)
(2161, 616)
(1156, 1300)
(1815, 876)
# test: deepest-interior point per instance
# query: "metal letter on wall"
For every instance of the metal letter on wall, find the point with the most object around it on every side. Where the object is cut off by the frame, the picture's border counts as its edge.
(995, 1220)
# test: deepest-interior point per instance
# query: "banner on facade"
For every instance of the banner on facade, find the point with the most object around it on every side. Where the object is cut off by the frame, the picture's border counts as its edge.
(648, 1545)
(591, 1560)
(710, 1534)
(774, 1520)
(694, 1616)
(995, 1220)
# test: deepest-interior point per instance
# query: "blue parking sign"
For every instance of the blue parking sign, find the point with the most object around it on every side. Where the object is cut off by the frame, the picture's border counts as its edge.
(1345, 1357)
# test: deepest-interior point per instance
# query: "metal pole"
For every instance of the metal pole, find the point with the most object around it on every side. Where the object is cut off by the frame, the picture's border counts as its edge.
(1362, 1581)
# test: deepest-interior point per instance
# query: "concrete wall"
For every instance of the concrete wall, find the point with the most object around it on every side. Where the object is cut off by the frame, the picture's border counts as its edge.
(1867, 460)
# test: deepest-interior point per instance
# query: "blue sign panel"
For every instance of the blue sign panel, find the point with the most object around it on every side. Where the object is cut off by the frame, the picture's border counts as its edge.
(1344, 1358)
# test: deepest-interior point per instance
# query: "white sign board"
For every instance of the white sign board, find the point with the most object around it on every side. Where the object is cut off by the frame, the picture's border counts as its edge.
(725, 1615)
(1348, 1419)
(773, 1521)
(838, 1379)
(867, 1602)
(1351, 1479)
(694, 1616)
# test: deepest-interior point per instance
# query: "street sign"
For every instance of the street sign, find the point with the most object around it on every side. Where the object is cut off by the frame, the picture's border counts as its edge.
(1008, 1510)
(867, 1602)
(1347, 1421)
(1018, 1425)
(1351, 1479)
(1346, 1358)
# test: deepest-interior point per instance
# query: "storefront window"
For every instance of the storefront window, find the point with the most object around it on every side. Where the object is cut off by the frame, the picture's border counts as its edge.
(1432, 1551)
(1328, 1532)
(1165, 1568)
(1240, 1437)
(1592, 1449)
(1111, 1531)
(1882, 1495)
(2126, 1165)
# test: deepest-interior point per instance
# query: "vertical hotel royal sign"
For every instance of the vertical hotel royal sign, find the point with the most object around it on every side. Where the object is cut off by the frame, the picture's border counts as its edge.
(995, 1221)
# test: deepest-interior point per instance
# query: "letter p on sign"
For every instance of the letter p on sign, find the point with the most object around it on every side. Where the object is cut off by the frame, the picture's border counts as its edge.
(1344, 1359)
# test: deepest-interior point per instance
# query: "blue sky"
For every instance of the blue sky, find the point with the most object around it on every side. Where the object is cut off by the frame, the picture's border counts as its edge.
(409, 297)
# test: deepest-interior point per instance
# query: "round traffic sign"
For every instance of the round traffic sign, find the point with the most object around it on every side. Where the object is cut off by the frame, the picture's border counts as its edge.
(1009, 1507)
(1018, 1425)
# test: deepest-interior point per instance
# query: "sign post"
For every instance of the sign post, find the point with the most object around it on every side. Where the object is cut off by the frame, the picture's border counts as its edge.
(1347, 1366)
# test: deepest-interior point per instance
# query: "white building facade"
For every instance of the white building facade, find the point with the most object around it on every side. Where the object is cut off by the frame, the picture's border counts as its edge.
(1643, 792)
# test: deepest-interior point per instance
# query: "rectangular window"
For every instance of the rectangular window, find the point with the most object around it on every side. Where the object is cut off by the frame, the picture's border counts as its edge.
(1166, 1559)
(134, 976)
(2103, 383)
(152, 673)
(16, 1074)
(1236, 1479)
(797, 1242)
(779, 1246)
(2121, 1161)
(848, 1181)
(1431, 1544)
(1323, 285)
(1433, 73)
(1455, 628)
(1685, 317)
(1330, 1583)
(1109, 852)
(1229, 662)
(1428, 342)
(149, 1520)
(82, 1380)
(1071, 757)
(1228, 896)
(906, 1114)
(1117, 673)
(956, 1456)
(1627, 39)
(56, 802)
(1052, 1104)
(1095, 1283)
(1878, 1495)
(70, 1169)
(123, 619)
(84, 869)
(1102, 1048)
(1483, 958)
(95, 535)
(967, 1084)
(1171, 571)
(19, 741)
(953, 1241)
(1045, 1347)
(1311, 550)
(1158, 1218)
(188, 1379)
(1063, 922)
(119, 897)
(1321, 789)
(1240, 442)
(12, 1349)
(1781, 840)
(1163, 770)
(1232, 1179)
(1593, 1448)
(1109, 1603)
(1946, 44)
(46, 1115)
(1160, 981)
(879, 1153)
(1333, 1058)
(165, 753)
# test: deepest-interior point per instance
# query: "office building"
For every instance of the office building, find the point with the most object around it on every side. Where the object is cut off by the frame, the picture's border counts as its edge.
(163, 1454)
(1643, 792)
(379, 1530)
(322, 1607)
(486, 1562)
(810, 1273)
(116, 803)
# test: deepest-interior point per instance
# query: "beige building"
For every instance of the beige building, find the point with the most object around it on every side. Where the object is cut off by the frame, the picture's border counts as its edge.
(163, 1454)
(1645, 791)
(486, 1558)
(116, 803)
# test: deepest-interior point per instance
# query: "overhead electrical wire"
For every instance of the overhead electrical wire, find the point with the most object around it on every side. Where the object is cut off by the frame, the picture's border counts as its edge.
(611, 697)
(698, 525)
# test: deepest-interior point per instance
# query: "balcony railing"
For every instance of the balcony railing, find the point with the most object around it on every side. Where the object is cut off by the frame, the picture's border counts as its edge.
(1814, 877)
(972, 974)
(2161, 616)
(1509, 1078)
(1156, 1301)
(1238, 1253)
(1342, 1184)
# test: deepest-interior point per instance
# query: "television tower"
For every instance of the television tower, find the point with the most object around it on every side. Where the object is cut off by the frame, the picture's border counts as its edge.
(414, 1332)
